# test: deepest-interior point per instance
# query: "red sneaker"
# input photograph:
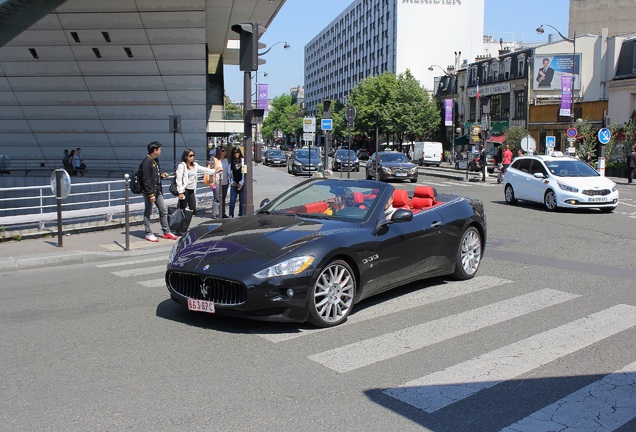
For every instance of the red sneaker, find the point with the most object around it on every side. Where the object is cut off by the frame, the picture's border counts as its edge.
(170, 236)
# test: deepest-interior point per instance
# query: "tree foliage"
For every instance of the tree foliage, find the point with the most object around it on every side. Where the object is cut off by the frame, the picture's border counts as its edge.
(514, 135)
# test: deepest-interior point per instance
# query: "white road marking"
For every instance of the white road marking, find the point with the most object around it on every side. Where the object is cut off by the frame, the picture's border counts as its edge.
(132, 262)
(141, 271)
(154, 283)
(443, 388)
(604, 405)
(412, 300)
(370, 351)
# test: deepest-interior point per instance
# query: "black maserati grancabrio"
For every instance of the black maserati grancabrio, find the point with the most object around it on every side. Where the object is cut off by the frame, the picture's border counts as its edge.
(322, 246)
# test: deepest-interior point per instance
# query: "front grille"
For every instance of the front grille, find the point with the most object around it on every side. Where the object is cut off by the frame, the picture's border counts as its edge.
(595, 192)
(219, 291)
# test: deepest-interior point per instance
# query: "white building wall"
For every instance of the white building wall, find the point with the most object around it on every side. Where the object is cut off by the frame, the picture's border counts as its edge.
(431, 31)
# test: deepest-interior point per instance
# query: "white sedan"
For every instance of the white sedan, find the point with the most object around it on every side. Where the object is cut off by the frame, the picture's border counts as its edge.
(559, 181)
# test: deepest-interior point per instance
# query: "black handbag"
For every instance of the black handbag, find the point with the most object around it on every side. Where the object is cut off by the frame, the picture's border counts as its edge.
(173, 187)
(179, 219)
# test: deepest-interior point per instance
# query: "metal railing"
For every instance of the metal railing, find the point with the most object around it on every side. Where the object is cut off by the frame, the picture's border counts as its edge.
(30, 208)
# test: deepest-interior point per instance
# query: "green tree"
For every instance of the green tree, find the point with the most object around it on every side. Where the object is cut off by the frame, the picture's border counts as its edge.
(514, 135)
(588, 133)
(284, 116)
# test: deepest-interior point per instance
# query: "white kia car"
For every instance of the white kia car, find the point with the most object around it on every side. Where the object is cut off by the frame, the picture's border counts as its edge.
(559, 181)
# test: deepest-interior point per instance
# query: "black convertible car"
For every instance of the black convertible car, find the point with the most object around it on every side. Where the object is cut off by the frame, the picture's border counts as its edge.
(319, 248)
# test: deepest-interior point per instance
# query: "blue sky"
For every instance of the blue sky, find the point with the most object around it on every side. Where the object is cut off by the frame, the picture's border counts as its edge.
(300, 20)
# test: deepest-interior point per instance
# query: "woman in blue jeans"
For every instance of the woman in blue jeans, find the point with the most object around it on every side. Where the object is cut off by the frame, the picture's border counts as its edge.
(236, 179)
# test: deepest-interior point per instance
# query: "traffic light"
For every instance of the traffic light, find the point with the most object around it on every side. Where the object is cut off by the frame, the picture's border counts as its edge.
(249, 34)
(326, 109)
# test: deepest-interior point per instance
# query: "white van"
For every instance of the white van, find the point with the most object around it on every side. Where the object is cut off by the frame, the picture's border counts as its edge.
(428, 153)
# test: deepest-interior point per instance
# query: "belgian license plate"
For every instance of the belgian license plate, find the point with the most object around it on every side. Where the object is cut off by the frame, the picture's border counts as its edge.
(400, 174)
(599, 199)
(201, 305)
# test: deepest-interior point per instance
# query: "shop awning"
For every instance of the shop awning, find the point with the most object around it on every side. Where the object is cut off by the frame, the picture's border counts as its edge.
(462, 140)
(497, 139)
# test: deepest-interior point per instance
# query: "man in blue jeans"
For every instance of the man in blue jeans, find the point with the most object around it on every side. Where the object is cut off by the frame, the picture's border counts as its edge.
(151, 189)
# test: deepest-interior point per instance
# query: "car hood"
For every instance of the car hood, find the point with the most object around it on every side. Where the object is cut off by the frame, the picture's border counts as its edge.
(397, 164)
(587, 182)
(305, 161)
(251, 241)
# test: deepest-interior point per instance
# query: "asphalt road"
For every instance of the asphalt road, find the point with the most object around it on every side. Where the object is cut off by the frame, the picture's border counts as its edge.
(544, 337)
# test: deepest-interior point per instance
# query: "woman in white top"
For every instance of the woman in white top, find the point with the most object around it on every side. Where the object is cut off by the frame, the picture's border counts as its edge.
(187, 172)
(221, 160)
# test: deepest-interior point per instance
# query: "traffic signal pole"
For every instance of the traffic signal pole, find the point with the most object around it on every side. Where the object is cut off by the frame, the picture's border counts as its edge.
(248, 182)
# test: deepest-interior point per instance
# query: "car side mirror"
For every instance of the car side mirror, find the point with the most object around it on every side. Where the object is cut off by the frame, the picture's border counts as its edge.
(402, 215)
(264, 203)
(539, 175)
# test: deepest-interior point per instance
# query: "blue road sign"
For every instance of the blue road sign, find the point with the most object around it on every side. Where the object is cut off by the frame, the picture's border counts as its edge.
(326, 124)
(604, 135)
(550, 141)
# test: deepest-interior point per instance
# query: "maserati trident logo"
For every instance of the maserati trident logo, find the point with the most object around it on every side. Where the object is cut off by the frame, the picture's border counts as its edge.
(204, 289)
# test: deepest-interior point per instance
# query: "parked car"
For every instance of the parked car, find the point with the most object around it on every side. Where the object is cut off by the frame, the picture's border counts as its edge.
(323, 246)
(362, 154)
(393, 166)
(559, 181)
(274, 157)
(304, 161)
(342, 159)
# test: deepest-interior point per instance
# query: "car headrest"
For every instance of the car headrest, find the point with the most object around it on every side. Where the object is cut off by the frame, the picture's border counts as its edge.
(358, 197)
(424, 192)
(400, 198)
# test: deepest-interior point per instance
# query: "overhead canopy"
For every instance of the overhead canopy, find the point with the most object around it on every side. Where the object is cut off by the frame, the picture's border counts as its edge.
(497, 139)
(462, 140)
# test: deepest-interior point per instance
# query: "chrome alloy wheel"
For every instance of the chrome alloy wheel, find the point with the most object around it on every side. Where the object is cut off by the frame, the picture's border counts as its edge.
(550, 200)
(470, 253)
(332, 295)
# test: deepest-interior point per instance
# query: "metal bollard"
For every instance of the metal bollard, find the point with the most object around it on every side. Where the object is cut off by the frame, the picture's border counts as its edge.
(127, 213)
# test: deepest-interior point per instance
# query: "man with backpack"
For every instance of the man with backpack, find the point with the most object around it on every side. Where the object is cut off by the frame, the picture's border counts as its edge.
(151, 189)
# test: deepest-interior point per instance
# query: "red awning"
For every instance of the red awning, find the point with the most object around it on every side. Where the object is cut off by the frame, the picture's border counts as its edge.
(497, 138)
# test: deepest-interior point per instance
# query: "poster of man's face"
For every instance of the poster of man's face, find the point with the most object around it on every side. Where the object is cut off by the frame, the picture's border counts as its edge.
(548, 69)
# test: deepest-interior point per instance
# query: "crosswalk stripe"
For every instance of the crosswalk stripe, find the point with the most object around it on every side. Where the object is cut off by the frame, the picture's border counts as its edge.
(408, 301)
(153, 283)
(140, 271)
(132, 262)
(393, 344)
(440, 389)
(604, 405)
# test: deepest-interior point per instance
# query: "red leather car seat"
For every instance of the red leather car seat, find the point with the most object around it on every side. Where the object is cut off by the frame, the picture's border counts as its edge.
(423, 197)
(401, 199)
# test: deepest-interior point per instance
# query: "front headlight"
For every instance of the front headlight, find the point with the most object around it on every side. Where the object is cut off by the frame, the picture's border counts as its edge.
(413, 169)
(386, 170)
(288, 267)
(298, 163)
(338, 160)
(615, 187)
(567, 187)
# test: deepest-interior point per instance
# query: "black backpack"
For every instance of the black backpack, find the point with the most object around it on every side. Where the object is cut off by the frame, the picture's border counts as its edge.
(135, 181)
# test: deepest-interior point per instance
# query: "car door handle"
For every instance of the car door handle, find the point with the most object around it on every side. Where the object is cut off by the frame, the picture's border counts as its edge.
(436, 224)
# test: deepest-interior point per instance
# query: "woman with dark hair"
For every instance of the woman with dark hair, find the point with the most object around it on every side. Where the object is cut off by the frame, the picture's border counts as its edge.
(186, 174)
(236, 179)
(221, 165)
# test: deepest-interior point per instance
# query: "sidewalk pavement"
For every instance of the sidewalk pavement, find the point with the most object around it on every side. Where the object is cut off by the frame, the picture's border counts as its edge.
(99, 243)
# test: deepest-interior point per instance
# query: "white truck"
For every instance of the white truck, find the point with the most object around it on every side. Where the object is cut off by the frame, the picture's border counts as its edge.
(428, 153)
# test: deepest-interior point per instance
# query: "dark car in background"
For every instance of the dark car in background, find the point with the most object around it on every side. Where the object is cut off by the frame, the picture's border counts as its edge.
(345, 159)
(363, 154)
(304, 161)
(393, 166)
(274, 157)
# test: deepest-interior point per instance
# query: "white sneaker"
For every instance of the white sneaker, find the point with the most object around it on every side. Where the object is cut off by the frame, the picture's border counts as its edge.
(152, 238)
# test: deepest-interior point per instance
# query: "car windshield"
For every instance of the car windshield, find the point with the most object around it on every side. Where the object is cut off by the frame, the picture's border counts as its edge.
(275, 153)
(304, 154)
(570, 168)
(343, 154)
(393, 157)
(329, 199)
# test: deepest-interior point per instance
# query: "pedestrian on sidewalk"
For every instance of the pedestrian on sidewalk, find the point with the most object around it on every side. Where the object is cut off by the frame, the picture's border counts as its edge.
(223, 179)
(631, 165)
(236, 179)
(78, 165)
(151, 176)
(187, 172)
(483, 162)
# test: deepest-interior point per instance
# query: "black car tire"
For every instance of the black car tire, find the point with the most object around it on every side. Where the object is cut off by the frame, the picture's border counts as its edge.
(288, 169)
(549, 200)
(509, 195)
(331, 299)
(368, 176)
(468, 254)
(413, 180)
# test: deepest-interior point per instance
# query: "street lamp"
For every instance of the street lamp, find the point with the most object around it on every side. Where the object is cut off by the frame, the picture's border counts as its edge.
(572, 40)
(286, 46)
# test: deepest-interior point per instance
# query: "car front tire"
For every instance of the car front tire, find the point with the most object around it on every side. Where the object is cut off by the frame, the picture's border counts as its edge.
(550, 200)
(368, 176)
(331, 298)
(468, 254)
(509, 195)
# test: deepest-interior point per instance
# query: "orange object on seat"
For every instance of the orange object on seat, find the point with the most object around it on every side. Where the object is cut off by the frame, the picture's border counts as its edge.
(316, 207)
(401, 199)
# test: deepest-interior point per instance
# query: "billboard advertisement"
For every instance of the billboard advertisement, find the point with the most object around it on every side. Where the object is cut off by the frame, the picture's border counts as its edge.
(549, 68)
